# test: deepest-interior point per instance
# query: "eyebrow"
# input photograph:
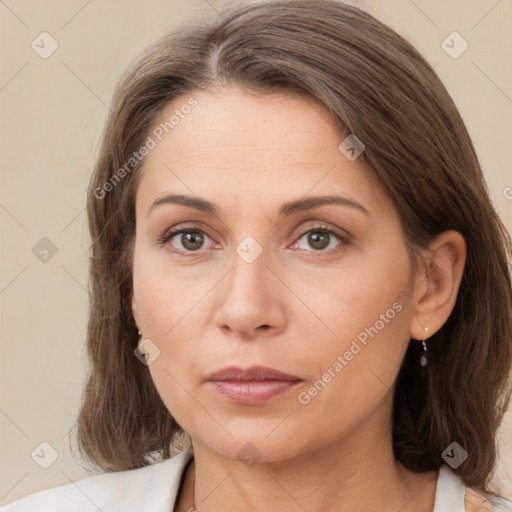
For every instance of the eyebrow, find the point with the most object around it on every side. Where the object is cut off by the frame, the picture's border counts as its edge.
(286, 209)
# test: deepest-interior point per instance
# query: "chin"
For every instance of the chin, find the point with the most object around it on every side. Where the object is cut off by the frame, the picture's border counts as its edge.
(256, 441)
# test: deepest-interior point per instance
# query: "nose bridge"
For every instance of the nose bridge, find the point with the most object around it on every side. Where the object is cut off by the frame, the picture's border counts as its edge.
(249, 277)
(250, 296)
(251, 251)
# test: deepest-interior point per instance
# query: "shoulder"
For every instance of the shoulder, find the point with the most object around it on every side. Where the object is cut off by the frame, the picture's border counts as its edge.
(152, 487)
(476, 502)
(452, 495)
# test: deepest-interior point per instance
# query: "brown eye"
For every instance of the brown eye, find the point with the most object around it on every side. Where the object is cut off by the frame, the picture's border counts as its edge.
(318, 239)
(183, 241)
(191, 240)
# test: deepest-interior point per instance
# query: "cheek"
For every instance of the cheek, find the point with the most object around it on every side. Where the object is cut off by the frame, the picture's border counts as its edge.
(353, 375)
(165, 293)
(365, 332)
(171, 304)
(363, 300)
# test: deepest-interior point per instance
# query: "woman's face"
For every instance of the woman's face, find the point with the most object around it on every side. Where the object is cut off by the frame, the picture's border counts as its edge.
(251, 285)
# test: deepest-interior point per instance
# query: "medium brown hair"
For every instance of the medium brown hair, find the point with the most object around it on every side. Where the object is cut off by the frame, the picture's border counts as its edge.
(376, 85)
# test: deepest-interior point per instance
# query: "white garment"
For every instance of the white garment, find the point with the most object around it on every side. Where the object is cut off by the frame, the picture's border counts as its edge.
(154, 488)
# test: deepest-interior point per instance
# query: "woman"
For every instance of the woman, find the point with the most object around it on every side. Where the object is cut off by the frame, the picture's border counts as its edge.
(296, 268)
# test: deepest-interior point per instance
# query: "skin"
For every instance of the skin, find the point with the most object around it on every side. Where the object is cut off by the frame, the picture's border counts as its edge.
(295, 308)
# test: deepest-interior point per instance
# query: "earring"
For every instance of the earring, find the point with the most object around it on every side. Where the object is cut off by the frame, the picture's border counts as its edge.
(423, 359)
(139, 344)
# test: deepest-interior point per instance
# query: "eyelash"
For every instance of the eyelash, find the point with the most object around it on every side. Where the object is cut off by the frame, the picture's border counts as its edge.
(344, 238)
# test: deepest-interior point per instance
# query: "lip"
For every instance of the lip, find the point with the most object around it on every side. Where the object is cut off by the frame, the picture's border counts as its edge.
(254, 373)
(256, 385)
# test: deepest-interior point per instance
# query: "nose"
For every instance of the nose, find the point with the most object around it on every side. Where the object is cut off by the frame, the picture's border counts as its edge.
(252, 301)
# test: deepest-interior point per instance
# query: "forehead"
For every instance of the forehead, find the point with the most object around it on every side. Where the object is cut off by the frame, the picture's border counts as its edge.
(234, 143)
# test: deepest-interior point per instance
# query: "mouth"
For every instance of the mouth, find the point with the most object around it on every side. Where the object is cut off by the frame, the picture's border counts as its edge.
(256, 385)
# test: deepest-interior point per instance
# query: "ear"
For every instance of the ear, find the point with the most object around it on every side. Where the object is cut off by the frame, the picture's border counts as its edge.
(439, 283)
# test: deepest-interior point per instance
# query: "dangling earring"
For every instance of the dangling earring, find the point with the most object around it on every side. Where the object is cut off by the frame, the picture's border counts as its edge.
(423, 359)
(139, 346)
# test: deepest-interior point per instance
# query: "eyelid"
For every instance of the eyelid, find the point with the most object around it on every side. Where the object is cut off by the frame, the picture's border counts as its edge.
(343, 236)
(319, 225)
(170, 233)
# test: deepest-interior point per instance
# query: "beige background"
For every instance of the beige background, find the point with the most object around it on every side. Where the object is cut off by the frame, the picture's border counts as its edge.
(52, 113)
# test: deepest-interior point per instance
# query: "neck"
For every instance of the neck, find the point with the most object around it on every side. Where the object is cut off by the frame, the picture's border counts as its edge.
(358, 472)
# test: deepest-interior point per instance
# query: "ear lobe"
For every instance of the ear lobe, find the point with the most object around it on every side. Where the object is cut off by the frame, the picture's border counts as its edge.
(444, 267)
(134, 308)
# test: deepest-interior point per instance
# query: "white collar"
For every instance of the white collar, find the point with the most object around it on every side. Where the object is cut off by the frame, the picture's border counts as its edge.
(450, 492)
